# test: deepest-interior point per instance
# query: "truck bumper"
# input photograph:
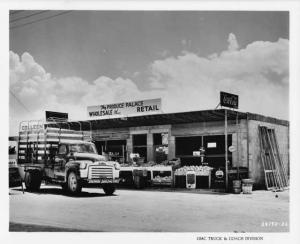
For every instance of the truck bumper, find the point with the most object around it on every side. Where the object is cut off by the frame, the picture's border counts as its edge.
(103, 181)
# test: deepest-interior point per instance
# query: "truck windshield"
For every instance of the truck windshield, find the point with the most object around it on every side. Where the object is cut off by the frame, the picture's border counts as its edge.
(83, 148)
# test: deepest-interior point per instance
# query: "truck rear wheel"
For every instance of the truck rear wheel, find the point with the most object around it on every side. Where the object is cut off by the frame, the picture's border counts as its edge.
(74, 185)
(33, 180)
(109, 189)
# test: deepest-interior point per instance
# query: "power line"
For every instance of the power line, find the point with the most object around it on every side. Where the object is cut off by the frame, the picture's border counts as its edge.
(38, 20)
(27, 16)
(20, 101)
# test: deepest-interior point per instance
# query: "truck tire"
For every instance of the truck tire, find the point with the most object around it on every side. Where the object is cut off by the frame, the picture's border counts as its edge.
(109, 189)
(33, 180)
(73, 183)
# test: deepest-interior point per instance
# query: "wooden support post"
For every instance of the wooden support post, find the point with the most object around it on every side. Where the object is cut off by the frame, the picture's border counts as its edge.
(248, 161)
(123, 153)
(226, 152)
(237, 145)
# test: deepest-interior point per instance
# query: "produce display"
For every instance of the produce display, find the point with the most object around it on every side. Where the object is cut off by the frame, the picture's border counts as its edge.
(199, 170)
(175, 163)
(126, 165)
(159, 165)
(149, 164)
(165, 179)
(160, 173)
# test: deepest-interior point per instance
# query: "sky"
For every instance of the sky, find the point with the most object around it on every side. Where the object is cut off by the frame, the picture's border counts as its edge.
(81, 58)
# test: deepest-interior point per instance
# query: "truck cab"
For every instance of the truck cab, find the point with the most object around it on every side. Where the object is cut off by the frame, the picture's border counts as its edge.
(77, 164)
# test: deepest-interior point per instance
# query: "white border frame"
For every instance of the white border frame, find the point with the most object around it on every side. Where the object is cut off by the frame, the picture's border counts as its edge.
(273, 5)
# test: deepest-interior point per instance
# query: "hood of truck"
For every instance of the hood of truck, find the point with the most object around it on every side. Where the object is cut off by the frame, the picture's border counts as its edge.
(89, 156)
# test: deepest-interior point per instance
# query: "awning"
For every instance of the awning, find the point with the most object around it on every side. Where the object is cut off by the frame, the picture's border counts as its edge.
(175, 118)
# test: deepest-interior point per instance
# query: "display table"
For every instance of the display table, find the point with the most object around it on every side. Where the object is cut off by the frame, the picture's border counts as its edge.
(155, 169)
(161, 175)
(200, 171)
(180, 180)
(126, 174)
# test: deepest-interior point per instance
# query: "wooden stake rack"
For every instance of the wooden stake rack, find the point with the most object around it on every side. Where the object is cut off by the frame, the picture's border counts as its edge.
(35, 145)
(276, 177)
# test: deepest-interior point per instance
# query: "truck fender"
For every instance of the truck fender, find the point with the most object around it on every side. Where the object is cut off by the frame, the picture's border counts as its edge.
(73, 166)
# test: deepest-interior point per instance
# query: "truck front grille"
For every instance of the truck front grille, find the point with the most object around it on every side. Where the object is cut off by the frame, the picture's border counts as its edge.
(96, 172)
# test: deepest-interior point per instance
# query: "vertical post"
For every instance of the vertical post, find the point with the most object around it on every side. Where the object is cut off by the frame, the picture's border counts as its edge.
(237, 145)
(27, 142)
(226, 153)
(129, 147)
(123, 153)
(248, 163)
(150, 147)
(202, 147)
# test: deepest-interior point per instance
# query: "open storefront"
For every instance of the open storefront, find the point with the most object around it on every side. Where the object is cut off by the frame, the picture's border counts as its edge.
(218, 146)
(213, 145)
(114, 149)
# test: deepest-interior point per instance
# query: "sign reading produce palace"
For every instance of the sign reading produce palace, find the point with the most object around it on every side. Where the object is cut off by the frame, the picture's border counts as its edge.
(124, 109)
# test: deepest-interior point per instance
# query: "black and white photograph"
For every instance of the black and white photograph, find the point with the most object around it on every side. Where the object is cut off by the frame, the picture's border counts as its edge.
(150, 121)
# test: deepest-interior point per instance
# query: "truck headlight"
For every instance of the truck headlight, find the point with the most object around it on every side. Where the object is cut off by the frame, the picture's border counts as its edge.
(83, 165)
(117, 166)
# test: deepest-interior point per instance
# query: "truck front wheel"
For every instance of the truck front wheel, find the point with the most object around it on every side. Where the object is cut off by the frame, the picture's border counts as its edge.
(109, 189)
(32, 180)
(74, 185)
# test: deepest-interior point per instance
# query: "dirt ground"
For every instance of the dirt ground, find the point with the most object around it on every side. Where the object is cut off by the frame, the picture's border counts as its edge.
(151, 210)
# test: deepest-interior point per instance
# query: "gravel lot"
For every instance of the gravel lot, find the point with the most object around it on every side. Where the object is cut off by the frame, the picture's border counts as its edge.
(151, 210)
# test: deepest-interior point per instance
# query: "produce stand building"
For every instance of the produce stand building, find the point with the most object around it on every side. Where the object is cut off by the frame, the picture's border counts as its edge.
(167, 136)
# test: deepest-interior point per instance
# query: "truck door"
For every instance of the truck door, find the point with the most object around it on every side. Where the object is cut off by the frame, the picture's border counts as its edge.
(60, 161)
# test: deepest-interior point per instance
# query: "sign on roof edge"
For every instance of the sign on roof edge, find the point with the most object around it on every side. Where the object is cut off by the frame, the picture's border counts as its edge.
(229, 100)
(125, 109)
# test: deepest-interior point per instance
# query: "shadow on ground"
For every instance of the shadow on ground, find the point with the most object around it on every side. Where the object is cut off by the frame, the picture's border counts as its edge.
(16, 227)
(178, 190)
(58, 191)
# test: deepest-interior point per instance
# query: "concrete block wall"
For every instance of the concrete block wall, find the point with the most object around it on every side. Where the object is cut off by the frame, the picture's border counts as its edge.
(150, 151)
(202, 128)
(171, 154)
(111, 134)
(129, 147)
(242, 157)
